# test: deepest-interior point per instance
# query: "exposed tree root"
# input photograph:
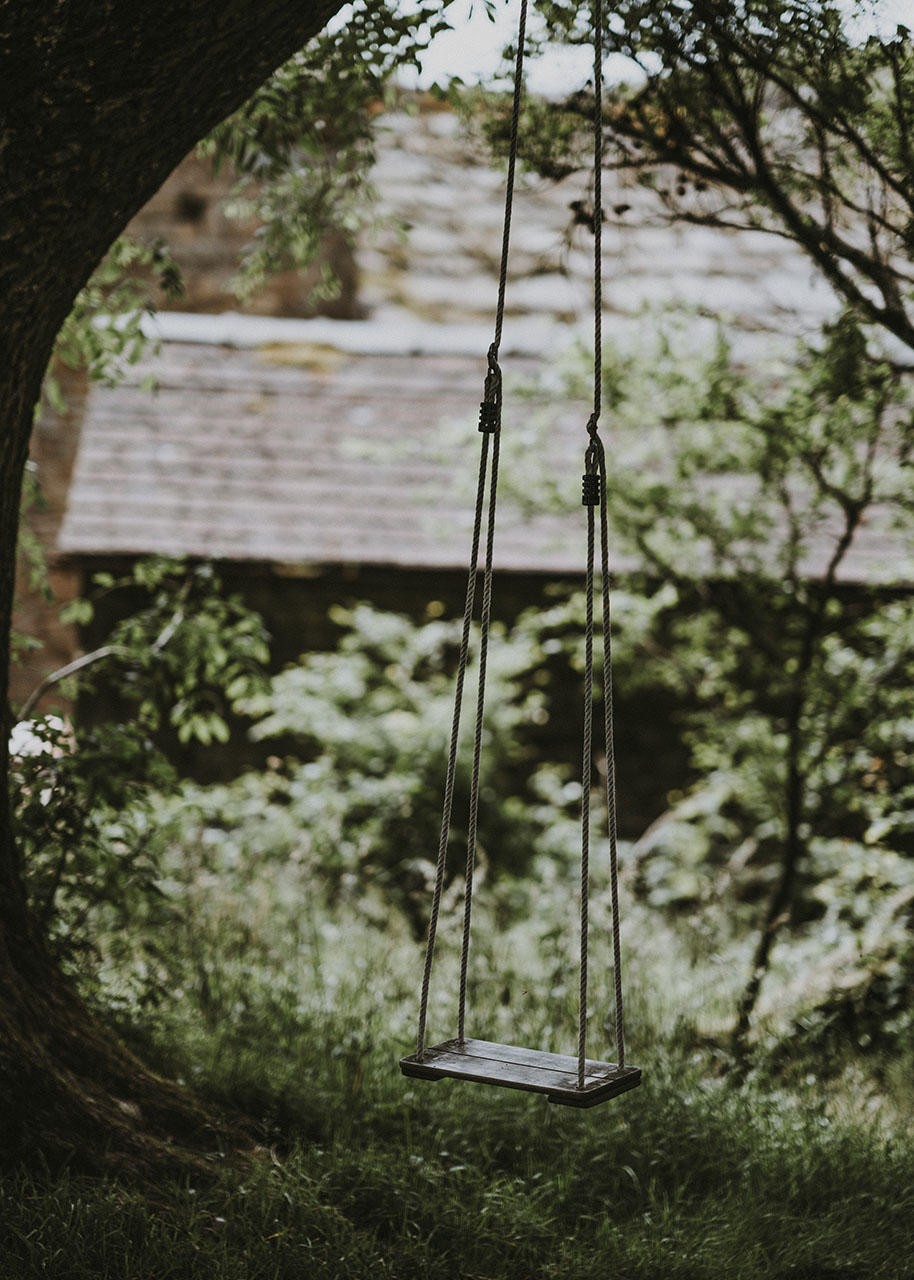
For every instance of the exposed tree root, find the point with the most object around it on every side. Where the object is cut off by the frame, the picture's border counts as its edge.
(71, 1094)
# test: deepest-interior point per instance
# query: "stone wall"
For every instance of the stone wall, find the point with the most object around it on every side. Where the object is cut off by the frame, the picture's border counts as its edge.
(188, 214)
(430, 251)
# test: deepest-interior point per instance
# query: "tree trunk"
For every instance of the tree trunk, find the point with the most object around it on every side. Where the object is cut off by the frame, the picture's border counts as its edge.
(99, 101)
(781, 902)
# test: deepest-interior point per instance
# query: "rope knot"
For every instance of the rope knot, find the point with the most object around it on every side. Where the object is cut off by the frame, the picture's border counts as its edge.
(490, 409)
(594, 453)
(590, 489)
(493, 377)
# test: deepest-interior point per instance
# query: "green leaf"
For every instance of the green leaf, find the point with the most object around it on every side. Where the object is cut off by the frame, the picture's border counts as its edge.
(77, 613)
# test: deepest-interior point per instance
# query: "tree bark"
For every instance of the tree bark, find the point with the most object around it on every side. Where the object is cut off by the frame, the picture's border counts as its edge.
(782, 899)
(99, 101)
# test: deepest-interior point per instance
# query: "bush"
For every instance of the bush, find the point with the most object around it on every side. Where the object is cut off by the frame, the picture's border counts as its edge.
(356, 795)
(84, 795)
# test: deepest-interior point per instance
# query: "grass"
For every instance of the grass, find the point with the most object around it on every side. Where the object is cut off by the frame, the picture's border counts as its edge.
(687, 1178)
(273, 998)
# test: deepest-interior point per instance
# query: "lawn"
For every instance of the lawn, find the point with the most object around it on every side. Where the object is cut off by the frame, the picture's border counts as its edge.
(294, 1005)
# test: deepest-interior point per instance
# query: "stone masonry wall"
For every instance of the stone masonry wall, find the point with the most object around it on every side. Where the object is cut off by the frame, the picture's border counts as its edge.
(188, 214)
(431, 251)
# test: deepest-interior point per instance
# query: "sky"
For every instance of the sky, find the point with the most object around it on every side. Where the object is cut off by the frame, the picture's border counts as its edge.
(473, 49)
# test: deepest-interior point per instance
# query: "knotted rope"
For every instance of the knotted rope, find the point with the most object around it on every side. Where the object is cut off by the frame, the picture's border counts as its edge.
(490, 428)
(594, 495)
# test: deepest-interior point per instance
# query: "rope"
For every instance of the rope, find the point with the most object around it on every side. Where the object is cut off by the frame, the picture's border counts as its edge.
(448, 804)
(597, 207)
(512, 165)
(586, 770)
(489, 425)
(493, 385)
(611, 766)
(473, 826)
(595, 494)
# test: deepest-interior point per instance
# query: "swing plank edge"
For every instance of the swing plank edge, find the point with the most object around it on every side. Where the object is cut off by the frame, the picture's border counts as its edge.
(513, 1067)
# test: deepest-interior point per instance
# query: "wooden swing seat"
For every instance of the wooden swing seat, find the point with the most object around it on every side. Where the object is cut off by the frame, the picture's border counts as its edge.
(555, 1074)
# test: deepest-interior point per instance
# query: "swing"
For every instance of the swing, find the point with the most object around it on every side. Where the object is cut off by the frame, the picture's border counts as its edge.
(576, 1081)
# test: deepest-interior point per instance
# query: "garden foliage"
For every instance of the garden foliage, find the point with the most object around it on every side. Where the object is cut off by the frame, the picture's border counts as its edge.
(85, 793)
(747, 504)
(772, 517)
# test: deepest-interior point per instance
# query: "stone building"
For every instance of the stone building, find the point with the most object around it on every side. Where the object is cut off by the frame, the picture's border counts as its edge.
(316, 454)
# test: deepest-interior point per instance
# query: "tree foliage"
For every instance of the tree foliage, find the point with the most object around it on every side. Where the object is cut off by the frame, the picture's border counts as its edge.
(362, 732)
(748, 504)
(786, 116)
(104, 332)
(83, 793)
(302, 147)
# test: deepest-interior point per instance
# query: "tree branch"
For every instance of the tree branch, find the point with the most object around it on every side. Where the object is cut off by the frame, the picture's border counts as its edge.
(63, 673)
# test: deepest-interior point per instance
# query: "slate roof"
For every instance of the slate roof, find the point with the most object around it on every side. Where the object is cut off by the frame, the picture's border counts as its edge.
(301, 455)
(318, 443)
(304, 455)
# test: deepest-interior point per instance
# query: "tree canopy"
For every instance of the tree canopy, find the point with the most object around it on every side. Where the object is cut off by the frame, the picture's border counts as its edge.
(794, 117)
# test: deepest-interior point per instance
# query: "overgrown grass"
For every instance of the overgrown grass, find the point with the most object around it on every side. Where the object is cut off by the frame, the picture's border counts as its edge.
(686, 1178)
(296, 1008)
